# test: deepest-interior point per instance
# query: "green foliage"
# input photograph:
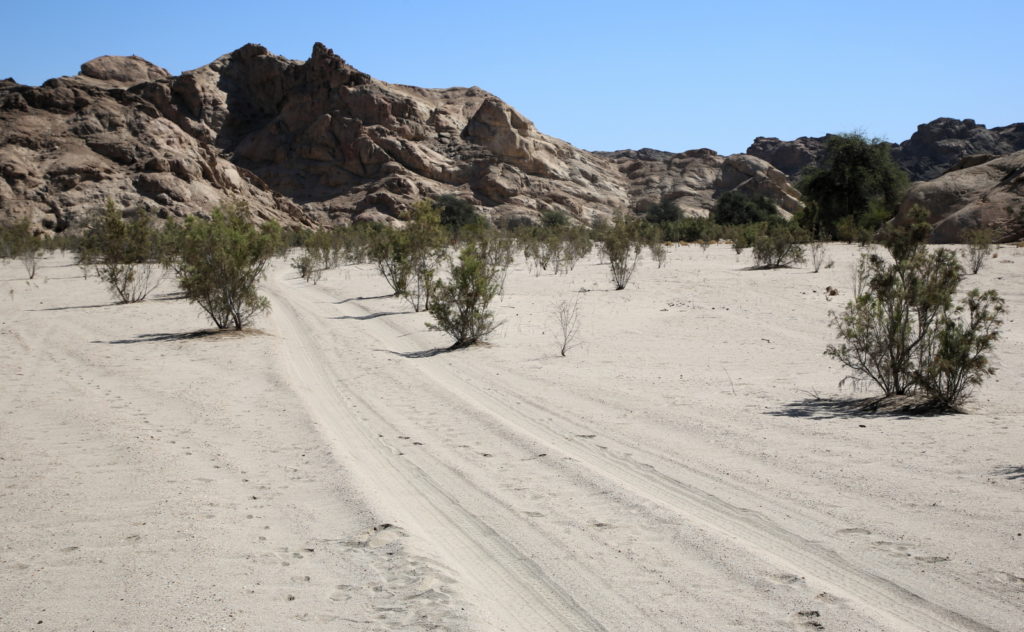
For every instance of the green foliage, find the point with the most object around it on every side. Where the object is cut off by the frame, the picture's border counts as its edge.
(902, 332)
(552, 218)
(622, 244)
(662, 212)
(460, 307)
(220, 262)
(124, 253)
(736, 208)
(858, 179)
(457, 213)
(388, 249)
(779, 246)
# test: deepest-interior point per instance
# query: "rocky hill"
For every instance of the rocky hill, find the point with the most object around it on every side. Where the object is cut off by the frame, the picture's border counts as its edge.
(318, 143)
(931, 151)
(315, 143)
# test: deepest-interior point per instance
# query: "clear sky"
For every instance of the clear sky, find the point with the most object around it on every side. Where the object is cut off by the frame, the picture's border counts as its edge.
(601, 75)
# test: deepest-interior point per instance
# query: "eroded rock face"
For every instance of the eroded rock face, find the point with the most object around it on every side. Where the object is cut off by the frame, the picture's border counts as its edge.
(695, 179)
(989, 194)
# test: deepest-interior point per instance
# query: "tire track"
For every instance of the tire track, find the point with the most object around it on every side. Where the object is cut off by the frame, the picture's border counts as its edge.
(518, 594)
(750, 529)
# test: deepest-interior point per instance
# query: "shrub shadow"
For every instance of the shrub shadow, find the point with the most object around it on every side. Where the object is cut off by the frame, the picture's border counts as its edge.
(819, 409)
(364, 298)
(367, 316)
(181, 336)
(59, 309)
(428, 353)
(1009, 471)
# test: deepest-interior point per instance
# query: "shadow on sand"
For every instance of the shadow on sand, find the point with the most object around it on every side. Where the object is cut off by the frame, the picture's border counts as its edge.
(429, 353)
(1011, 472)
(824, 409)
(212, 334)
(367, 316)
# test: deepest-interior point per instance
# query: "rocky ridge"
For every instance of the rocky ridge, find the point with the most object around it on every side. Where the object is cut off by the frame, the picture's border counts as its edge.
(318, 143)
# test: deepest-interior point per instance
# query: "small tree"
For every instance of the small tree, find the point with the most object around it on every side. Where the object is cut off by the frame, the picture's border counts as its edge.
(124, 253)
(424, 246)
(388, 249)
(858, 179)
(455, 213)
(221, 261)
(460, 306)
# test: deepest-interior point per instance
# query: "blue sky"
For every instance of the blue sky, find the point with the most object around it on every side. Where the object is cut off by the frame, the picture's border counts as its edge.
(601, 75)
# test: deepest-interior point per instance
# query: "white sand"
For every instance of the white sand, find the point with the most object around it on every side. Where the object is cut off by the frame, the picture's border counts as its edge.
(674, 472)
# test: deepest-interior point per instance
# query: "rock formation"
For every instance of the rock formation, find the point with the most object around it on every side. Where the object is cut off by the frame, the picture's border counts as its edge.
(932, 150)
(989, 194)
(315, 143)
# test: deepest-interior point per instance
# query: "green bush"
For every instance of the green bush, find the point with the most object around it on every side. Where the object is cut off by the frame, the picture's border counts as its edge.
(622, 244)
(736, 208)
(663, 212)
(779, 246)
(18, 241)
(124, 254)
(457, 213)
(220, 262)
(902, 332)
(460, 306)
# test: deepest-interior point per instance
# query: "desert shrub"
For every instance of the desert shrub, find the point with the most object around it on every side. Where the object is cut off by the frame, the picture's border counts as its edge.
(388, 250)
(220, 262)
(736, 208)
(18, 241)
(622, 245)
(497, 249)
(124, 254)
(818, 249)
(903, 333)
(320, 252)
(456, 213)
(779, 246)
(460, 306)
(424, 245)
(979, 248)
(958, 359)
(550, 218)
(663, 212)
(567, 313)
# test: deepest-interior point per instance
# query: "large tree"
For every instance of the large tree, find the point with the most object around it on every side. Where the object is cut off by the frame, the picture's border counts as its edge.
(858, 184)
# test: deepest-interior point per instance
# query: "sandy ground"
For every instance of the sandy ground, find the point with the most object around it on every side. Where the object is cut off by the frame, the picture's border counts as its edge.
(689, 466)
